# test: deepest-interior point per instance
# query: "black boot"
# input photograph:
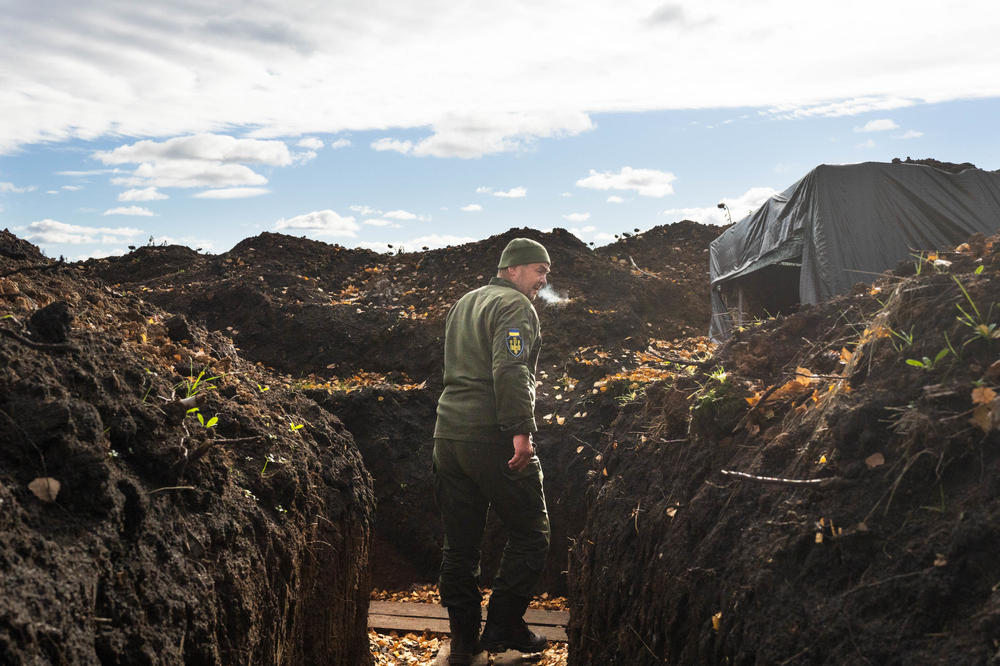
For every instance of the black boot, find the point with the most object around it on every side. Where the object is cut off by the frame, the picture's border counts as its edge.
(464, 625)
(506, 628)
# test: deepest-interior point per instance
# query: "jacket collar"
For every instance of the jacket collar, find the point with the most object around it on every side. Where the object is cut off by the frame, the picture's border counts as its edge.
(502, 282)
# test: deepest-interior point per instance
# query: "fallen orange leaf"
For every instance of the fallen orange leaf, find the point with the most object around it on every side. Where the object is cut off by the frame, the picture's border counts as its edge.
(983, 395)
(982, 416)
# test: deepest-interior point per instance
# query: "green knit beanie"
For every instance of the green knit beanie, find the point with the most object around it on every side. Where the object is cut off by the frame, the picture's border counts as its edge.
(522, 251)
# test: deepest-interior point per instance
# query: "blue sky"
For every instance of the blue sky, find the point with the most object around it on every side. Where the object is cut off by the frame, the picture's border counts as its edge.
(426, 123)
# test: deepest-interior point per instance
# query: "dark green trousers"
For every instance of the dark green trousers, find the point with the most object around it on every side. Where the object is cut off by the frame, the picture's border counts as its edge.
(469, 478)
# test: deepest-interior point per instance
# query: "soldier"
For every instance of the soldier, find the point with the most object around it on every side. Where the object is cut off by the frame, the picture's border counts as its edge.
(484, 414)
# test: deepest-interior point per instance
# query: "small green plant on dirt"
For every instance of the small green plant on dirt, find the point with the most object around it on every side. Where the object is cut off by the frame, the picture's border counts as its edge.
(951, 347)
(293, 426)
(981, 326)
(931, 259)
(717, 403)
(193, 385)
(633, 393)
(713, 390)
(927, 363)
(565, 383)
(210, 423)
(902, 339)
(149, 374)
(719, 374)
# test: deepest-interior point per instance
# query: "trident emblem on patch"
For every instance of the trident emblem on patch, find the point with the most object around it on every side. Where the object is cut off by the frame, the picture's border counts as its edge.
(514, 343)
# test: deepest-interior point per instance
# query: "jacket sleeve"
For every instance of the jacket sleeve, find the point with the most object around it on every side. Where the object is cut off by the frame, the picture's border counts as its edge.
(515, 334)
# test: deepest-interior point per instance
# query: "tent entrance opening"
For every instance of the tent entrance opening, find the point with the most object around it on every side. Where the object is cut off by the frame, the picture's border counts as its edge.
(766, 292)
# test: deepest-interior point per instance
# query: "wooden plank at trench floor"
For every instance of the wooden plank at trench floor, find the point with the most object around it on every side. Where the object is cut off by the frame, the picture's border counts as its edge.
(417, 617)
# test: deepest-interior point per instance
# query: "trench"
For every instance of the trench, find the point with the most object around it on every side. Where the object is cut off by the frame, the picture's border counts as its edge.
(393, 431)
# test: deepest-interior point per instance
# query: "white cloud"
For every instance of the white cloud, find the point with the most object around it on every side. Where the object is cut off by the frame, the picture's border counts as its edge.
(472, 208)
(365, 210)
(844, 107)
(512, 193)
(53, 231)
(584, 233)
(303, 157)
(166, 69)
(566, 195)
(400, 215)
(201, 160)
(614, 198)
(130, 210)
(434, 241)
(52, 191)
(870, 143)
(386, 143)
(190, 173)
(474, 135)
(92, 172)
(739, 207)
(320, 223)
(144, 194)
(100, 254)
(233, 193)
(340, 143)
(311, 143)
(72, 188)
(880, 125)
(379, 222)
(11, 187)
(576, 217)
(646, 182)
(911, 134)
(207, 147)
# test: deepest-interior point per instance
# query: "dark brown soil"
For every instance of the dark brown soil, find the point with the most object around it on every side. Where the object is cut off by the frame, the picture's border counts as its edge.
(168, 541)
(891, 558)
(308, 308)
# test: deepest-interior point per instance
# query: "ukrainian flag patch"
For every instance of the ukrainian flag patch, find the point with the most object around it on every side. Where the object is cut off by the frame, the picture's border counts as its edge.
(514, 343)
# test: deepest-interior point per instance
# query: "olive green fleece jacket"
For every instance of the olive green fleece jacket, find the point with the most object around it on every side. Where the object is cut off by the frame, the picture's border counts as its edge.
(491, 345)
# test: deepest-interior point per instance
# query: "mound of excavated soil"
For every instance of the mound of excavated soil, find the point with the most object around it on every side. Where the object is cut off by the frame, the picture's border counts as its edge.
(677, 253)
(305, 307)
(827, 491)
(131, 531)
(823, 490)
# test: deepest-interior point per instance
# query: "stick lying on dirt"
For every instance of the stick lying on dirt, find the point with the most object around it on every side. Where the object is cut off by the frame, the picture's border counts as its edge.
(640, 270)
(825, 481)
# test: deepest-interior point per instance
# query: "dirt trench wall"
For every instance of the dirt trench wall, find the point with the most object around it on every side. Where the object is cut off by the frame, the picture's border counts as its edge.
(891, 560)
(167, 542)
(394, 432)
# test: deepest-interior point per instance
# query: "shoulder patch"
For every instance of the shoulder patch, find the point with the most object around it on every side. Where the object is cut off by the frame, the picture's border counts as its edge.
(515, 345)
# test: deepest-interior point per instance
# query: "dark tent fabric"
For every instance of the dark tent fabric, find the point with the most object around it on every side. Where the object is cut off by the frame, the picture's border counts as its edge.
(840, 225)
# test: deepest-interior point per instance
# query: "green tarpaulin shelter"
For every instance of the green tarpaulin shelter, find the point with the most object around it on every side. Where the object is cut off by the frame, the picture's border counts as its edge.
(840, 225)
